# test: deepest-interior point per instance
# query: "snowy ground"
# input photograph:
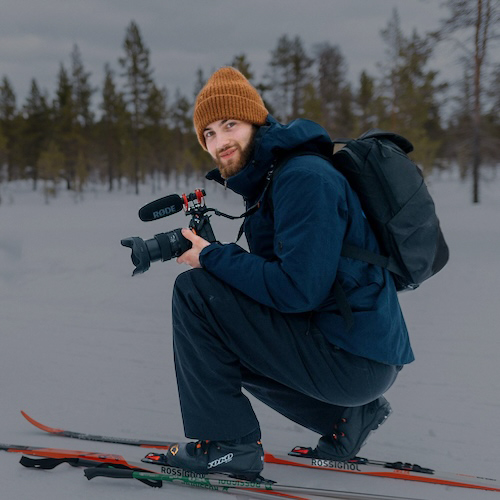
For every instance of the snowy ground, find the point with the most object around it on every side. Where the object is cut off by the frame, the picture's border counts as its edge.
(85, 346)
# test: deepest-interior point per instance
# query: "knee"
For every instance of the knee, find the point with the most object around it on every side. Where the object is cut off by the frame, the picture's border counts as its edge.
(182, 280)
(194, 286)
(188, 280)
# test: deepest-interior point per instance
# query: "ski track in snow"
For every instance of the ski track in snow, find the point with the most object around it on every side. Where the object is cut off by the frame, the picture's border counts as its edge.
(86, 347)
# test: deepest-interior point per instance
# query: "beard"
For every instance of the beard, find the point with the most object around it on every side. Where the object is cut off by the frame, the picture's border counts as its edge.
(232, 166)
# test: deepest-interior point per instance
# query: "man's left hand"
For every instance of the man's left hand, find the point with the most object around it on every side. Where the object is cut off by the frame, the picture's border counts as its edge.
(192, 256)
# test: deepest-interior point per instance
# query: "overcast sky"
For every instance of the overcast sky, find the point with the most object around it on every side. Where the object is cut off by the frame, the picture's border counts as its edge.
(36, 36)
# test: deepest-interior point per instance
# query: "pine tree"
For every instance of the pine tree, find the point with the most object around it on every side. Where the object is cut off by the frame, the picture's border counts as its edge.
(139, 81)
(410, 91)
(242, 64)
(113, 127)
(333, 89)
(50, 164)
(3, 154)
(66, 135)
(36, 129)
(82, 89)
(156, 135)
(289, 77)
(366, 103)
(180, 120)
(200, 82)
(313, 106)
(9, 124)
(493, 120)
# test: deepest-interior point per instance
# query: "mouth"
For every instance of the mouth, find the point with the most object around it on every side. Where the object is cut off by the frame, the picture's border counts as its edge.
(228, 153)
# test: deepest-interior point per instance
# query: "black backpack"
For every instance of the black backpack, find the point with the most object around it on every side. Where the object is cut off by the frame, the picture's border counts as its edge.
(396, 203)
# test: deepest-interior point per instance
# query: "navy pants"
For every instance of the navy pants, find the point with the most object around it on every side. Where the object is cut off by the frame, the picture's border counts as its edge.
(224, 340)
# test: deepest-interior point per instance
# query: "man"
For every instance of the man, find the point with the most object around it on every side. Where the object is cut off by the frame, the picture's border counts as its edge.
(267, 320)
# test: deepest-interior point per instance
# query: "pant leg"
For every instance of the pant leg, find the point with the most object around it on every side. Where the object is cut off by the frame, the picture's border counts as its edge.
(224, 340)
(306, 411)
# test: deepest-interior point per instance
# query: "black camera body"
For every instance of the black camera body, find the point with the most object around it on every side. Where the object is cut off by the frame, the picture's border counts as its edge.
(166, 246)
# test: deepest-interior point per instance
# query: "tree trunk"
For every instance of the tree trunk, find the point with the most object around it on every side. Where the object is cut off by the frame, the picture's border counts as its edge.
(476, 133)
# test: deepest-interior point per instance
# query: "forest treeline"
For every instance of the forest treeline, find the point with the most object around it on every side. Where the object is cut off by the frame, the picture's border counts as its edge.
(131, 128)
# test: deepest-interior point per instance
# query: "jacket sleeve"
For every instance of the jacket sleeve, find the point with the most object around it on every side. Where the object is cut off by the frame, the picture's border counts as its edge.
(310, 219)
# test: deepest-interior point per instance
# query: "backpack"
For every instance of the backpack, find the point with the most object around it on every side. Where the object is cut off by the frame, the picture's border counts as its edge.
(396, 203)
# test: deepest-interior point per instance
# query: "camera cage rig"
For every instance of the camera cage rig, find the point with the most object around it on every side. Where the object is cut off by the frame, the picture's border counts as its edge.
(165, 246)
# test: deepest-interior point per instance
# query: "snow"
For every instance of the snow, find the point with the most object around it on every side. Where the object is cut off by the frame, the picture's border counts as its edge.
(87, 347)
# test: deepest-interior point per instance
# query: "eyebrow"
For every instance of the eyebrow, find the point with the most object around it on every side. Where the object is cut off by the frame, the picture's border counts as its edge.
(220, 123)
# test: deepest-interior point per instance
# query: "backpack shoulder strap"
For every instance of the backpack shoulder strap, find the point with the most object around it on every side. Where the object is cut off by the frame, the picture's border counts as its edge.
(359, 253)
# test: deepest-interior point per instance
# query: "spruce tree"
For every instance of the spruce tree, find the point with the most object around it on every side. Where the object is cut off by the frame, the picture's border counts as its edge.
(9, 126)
(410, 92)
(113, 128)
(36, 129)
(289, 77)
(138, 83)
(65, 126)
(332, 89)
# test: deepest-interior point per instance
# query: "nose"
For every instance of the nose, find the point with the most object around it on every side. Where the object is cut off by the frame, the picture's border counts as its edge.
(222, 142)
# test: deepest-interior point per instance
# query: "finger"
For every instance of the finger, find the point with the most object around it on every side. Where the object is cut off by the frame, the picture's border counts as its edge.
(189, 235)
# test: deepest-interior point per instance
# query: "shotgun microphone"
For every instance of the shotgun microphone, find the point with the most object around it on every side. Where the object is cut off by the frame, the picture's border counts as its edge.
(158, 209)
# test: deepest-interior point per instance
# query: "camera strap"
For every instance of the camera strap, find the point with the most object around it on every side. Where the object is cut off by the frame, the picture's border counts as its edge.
(257, 205)
(253, 208)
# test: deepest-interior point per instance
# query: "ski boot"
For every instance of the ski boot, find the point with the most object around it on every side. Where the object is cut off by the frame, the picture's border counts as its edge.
(242, 461)
(352, 430)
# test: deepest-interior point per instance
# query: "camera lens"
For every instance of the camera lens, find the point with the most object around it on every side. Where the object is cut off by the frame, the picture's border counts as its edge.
(168, 245)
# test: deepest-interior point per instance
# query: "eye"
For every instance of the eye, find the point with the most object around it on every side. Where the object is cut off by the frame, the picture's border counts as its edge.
(208, 133)
(230, 124)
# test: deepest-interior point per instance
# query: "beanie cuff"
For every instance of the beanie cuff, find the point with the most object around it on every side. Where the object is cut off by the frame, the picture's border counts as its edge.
(227, 107)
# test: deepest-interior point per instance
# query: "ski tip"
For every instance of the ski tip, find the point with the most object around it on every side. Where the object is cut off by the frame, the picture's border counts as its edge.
(45, 428)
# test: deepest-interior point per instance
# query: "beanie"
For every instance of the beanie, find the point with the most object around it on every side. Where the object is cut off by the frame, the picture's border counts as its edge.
(227, 95)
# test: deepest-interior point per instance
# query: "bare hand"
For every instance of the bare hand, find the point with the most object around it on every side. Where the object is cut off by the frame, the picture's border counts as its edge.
(192, 256)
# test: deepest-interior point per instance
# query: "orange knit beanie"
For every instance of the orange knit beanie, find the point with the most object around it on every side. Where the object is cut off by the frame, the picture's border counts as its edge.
(227, 95)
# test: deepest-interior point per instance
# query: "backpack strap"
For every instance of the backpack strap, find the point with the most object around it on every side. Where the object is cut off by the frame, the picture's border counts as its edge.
(359, 253)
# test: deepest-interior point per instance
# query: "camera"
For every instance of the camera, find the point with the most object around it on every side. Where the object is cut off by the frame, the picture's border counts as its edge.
(166, 246)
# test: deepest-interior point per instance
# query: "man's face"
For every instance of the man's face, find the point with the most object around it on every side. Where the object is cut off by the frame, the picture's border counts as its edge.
(229, 143)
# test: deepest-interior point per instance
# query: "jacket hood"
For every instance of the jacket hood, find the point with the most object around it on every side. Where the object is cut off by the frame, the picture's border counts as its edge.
(272, 142)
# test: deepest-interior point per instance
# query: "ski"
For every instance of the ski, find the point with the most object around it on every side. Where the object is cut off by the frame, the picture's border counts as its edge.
(117, 466)
(226, 484)
(303, 457)
(143, 443)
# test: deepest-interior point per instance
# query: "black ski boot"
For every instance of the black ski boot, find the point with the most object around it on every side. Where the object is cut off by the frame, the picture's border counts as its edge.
(243, 461)
(352, 430)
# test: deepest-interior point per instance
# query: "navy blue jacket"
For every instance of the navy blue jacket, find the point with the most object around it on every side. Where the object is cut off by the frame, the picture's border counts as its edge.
(295, 245)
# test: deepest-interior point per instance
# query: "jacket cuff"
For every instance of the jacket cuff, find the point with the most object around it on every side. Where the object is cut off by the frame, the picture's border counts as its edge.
(206, 251)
